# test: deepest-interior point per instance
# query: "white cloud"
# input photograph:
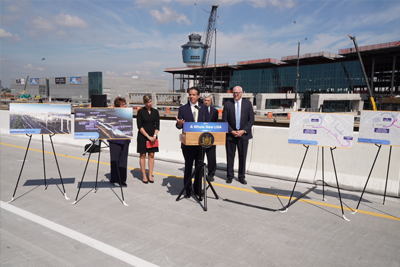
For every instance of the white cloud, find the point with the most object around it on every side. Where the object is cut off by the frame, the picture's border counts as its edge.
(152, 3)
(140, 73)
(130, 46)
(153, 41)
(6, 34)
(41, 23)
(111, 73)
(62, 33)
(67, 20)
(255, 3)
(151, 64)
(31, 67)
(54, 25)
(167, 15)
(211, 2)
(278, 3)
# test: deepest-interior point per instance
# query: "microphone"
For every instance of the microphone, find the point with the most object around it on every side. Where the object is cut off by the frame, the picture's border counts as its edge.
(198, 108)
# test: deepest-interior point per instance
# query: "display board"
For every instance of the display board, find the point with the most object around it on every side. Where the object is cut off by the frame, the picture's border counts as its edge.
(103, 123)
(73, 80)
(379, 127)
(321, 129)
(32, 118)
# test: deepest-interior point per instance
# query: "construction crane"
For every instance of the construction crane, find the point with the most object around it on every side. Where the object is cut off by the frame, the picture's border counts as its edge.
(207, 44)
(371, 97)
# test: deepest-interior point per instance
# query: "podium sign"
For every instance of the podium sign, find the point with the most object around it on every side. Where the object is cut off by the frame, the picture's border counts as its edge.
(214, 127)
(193, 130)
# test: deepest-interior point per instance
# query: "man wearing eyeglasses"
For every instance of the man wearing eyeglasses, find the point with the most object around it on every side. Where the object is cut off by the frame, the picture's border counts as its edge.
(239, 115)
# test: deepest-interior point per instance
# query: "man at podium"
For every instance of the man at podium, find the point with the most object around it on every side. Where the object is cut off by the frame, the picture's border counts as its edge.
(192, 112)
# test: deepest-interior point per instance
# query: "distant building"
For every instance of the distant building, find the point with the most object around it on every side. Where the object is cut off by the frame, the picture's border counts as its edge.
(121, 86)
(80, 88)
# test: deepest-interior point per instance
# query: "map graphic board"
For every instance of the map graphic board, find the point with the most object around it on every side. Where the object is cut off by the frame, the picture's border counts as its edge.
(379, 127)
(321, 129)
(103, 123)
(31, 118)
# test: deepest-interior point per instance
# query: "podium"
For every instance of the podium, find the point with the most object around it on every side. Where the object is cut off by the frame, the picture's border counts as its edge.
(205, 135)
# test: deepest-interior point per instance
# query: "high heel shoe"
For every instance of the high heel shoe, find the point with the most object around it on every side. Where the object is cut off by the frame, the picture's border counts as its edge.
(151, 181)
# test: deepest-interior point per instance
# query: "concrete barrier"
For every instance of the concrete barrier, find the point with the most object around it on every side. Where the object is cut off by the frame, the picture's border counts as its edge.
(270, 155)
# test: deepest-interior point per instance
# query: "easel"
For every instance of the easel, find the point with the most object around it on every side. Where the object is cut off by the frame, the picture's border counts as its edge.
(190, 138)
(202, 168)
(97, 171)
(44, 166)
(285, 209)
(387, 176)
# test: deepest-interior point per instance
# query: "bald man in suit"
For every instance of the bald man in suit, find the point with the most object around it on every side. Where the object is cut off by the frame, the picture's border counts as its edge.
(239, 115)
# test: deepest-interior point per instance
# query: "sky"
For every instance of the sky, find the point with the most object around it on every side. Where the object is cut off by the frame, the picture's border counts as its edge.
(144, 37)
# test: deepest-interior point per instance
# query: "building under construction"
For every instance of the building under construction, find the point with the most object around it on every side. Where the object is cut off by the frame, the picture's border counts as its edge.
(320, 72)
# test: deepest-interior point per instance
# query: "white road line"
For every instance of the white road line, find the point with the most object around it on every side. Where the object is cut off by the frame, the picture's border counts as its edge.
(107, 249)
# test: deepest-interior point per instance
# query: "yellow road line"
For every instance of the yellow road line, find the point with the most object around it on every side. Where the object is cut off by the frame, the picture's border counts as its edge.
(226, 186)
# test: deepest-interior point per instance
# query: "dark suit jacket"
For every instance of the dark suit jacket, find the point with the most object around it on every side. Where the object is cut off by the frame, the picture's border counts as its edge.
(213, 114)
(185, 112)
(246, 118)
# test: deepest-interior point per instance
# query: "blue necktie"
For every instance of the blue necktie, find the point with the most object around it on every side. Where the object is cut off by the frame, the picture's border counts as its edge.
(238, 116)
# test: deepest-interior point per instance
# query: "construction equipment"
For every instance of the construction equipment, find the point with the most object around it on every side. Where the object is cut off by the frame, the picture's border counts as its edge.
(371, 97)
(23, 96)
(207, 45)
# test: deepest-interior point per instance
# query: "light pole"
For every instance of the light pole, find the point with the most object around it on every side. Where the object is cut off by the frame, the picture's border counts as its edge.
(297, 78)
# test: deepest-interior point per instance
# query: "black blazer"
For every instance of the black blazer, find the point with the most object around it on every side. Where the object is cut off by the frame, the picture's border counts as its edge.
(213, 114)
(246, 118)
(185, 112)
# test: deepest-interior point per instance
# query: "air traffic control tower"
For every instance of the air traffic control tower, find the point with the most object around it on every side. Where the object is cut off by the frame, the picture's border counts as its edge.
(193, 51)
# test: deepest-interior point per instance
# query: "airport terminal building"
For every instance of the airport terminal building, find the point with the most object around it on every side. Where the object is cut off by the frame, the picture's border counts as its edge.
(319, 73)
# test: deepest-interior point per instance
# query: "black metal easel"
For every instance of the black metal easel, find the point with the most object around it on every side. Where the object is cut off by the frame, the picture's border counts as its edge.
(285, 209)
(201, 167)
(97, 171)
(387, 176)
(44, 166)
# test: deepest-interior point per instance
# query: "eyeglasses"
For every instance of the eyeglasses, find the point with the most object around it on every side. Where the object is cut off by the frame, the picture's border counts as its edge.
(237, 93)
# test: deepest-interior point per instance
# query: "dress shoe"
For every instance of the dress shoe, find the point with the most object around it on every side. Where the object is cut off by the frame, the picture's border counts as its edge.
(211, 178)
(243, 181)
(124, 184)
(200, 195)
(228, 180)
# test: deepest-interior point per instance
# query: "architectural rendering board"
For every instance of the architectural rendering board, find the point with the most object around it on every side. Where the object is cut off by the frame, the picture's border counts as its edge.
(321, 129)
(103, 123)
(380, 127)
(32, 118)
